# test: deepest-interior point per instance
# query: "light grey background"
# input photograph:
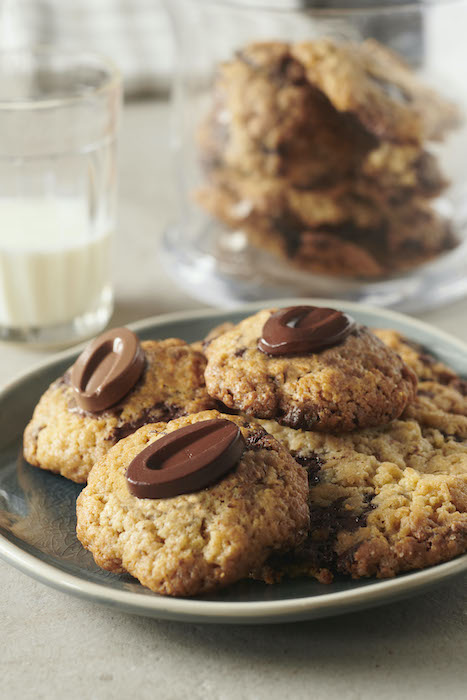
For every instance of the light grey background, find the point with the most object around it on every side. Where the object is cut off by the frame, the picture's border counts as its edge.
(54, 646)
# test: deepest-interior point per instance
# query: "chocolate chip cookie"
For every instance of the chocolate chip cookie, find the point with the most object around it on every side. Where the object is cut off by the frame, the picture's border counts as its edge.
(194, 542)
(421, 361)
(382, 501)
(274, 200)
(66, 438)
(328, 254)
(389, 499)
(349, 233)
(441, 400)
(356, 383)
(376, 85)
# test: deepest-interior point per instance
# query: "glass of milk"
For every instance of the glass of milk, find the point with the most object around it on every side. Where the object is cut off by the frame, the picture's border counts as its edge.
(59, 113)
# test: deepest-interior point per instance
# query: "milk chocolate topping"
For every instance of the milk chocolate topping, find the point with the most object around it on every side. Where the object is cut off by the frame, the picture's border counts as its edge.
(304, 329)
(189, 459)
(107, 369)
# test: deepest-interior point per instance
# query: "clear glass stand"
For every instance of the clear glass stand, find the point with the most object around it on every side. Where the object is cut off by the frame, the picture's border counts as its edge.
(225, 270)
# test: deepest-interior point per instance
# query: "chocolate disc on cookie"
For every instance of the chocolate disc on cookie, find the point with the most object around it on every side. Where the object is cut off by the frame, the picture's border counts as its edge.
(308, 367)
(107, 369)
(186, 460)
(300, 330)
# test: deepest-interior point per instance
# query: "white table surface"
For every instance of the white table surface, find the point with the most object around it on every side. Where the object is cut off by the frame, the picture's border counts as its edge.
(55, 646)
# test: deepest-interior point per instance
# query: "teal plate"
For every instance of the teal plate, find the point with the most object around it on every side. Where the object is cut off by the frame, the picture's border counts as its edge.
(37, 508)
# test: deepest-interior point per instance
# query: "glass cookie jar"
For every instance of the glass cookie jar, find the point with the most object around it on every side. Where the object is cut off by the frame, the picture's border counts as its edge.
(320, 150)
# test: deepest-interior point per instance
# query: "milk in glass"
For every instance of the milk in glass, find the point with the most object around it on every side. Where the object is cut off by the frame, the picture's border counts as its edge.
(54, 265)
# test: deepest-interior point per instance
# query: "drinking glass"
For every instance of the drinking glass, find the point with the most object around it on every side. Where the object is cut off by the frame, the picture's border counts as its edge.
(59, 113)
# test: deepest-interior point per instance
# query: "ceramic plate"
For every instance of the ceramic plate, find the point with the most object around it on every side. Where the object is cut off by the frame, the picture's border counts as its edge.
(37, 508)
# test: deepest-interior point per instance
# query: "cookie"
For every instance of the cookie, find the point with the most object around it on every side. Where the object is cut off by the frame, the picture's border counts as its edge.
(286, 237)
(389, 499)
(64, 438)
(350, 252)
(323, 251)
(411, 234)
(366, 202)
(194, 542)
(396, 171)
(441, 400)
(267, 119)
(358, 382)
(352, 237)
(275, 200)
(416, 234)
(422, 362)
(438, 114)
(373, 83)
(328, 254)
(382, 500)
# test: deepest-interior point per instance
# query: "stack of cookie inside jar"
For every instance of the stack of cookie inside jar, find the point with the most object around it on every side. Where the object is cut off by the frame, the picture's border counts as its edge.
(318, 152)
(294, 443)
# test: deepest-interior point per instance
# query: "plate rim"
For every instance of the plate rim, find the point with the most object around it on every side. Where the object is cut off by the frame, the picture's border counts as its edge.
(192, 609)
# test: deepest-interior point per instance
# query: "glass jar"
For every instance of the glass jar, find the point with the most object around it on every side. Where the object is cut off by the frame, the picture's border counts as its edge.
(320, 150)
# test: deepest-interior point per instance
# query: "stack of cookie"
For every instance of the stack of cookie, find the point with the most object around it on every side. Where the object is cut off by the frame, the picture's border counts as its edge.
(295, 443)
(317, 151)
(379, 426)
